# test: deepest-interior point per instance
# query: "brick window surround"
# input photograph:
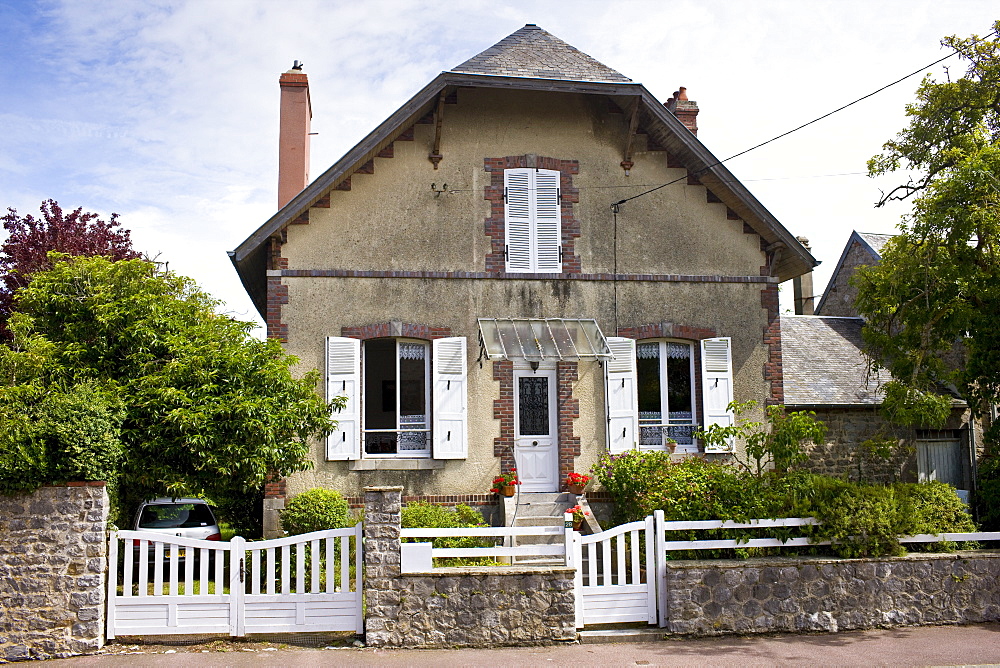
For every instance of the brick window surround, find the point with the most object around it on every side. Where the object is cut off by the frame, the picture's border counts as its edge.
(496, 263)
(567, 407)
(406, 330)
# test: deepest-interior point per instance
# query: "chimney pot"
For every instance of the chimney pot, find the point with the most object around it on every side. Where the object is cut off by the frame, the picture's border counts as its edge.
(685, 110)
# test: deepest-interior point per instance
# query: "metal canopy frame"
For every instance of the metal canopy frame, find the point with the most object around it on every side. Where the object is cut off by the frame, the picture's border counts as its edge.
(542, 339)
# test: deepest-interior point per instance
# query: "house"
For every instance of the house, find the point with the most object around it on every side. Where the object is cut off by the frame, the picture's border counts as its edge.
(825, 371)
(492, 280)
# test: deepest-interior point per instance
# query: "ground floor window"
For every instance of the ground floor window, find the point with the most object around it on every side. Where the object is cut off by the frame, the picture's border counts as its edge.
(396, 397)
(665, 388)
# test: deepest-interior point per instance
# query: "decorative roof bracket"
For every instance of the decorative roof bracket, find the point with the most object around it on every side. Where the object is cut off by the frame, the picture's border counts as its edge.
(633, 125)
(435, 156)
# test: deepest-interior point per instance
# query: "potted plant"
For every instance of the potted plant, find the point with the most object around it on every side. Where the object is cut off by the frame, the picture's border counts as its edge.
(504, 483)
(578, 515)
(576, 482)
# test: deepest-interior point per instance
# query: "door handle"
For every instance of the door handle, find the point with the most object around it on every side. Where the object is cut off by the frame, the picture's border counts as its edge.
(534, 442)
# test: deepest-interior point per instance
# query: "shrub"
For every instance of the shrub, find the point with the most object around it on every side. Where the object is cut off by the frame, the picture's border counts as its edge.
(860, 519)
(988, 493)
(420, 514)
(315, 510)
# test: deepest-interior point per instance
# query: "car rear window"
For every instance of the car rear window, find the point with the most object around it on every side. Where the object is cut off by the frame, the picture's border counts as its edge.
(176, 516)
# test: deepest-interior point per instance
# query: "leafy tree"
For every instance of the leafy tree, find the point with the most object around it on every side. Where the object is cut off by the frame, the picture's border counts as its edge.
(778, 440)
(30, 239)
(206, 408)
(932, 305)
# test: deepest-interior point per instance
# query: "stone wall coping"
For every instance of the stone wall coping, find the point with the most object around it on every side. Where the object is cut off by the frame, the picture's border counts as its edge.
(492, 570)
(387, 488)
(754, 562)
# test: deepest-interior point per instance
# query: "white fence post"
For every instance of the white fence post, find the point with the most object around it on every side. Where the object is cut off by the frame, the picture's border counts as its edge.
(237, 550)
(661, 565)
(649, 542)
(112, 583)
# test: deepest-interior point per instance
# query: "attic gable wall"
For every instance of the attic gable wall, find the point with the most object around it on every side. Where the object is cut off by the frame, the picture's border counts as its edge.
(391, 220)
(840, 294)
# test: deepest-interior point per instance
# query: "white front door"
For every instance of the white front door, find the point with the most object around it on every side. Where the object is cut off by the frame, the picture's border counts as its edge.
(536, 442)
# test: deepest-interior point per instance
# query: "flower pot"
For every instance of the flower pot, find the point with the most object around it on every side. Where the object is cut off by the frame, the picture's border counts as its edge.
(508, 490)
(577, 524)
(576, 489)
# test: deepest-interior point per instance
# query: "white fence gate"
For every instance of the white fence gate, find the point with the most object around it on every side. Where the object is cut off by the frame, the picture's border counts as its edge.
(172, 585)
(615, 575)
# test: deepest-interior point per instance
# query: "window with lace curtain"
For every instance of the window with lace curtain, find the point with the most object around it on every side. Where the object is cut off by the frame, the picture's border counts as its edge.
(665, 387)
(396, 398)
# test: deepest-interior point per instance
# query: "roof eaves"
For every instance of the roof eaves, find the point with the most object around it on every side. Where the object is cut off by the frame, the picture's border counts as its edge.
(720, 177)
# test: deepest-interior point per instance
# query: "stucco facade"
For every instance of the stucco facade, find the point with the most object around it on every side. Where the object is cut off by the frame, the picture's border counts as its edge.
(380, 248)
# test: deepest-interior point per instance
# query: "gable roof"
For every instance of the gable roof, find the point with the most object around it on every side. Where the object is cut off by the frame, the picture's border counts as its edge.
(534, 53)
(871, 242)
(519, 62)
(822, 363)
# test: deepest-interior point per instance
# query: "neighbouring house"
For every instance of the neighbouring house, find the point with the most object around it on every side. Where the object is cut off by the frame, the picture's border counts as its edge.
(825, 371)
(468, 277)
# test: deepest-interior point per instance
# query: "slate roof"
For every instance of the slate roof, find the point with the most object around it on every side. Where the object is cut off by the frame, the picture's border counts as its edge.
(536, 54)
(822, 362)
(876, 241)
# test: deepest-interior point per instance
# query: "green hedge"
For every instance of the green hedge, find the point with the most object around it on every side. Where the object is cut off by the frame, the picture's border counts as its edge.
(423, 515)
(861, 519)
(316, 509)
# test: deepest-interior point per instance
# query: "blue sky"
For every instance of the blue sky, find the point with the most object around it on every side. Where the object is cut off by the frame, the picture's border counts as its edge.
(166, 111)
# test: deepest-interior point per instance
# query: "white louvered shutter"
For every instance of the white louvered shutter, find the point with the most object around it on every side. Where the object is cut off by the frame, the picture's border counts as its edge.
(449, 389)
(548, 222)
(717, 384)
(517, 216)
(622, 396)
(533, 220)
(343, 375)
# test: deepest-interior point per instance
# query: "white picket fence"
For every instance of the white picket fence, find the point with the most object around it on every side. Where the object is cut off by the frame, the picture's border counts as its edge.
(173, 585)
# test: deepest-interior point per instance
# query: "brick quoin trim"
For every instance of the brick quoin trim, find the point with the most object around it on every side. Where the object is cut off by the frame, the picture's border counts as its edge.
(772, 339)
(496, 225)
(408, 330)
(274, 488)
(277, 291)
(569, 410)
(503, 410)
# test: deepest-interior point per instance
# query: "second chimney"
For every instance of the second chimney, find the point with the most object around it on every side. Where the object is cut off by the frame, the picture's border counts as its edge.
(293, 134)
(802, 288)
(684, 109)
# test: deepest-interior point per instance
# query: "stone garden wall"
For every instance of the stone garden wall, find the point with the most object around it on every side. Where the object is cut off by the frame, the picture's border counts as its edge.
(455, 607)
(53, 562)
(809, 594)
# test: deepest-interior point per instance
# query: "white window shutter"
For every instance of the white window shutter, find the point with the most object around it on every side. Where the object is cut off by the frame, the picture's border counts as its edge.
(717, 385)
(622, 396)
(449, 389)
(548, 221)
(517, 216)
(343, 376)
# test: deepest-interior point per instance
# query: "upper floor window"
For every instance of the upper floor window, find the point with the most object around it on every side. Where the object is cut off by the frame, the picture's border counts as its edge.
(533, 222)
(665, 385)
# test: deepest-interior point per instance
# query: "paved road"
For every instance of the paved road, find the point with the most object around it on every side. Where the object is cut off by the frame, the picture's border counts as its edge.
(925, 646)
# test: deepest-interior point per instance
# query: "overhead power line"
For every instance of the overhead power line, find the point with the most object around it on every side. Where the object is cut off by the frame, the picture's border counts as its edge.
(617, 205)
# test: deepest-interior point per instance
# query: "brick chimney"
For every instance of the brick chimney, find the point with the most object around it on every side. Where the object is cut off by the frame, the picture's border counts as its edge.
(293, 134)
(684, 109)
(802, 288)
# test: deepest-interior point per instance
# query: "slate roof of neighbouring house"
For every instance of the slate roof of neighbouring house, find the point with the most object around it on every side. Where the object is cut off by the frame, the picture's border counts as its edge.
(822, 363)
(875, 241)
(534, 53)
(872, 242)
